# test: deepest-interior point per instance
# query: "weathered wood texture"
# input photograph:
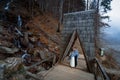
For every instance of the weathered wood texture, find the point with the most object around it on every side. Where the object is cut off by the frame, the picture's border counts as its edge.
(61, 72)
(69, 45)
(99, 71)
(83, 22)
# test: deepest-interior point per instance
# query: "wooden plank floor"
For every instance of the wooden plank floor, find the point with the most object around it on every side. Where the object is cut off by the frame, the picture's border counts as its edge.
(61, 72)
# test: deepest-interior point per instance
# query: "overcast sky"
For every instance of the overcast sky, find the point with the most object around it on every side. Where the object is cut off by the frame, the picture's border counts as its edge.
(115, 19)
(115, 9)
(115, 13)
(112, 33)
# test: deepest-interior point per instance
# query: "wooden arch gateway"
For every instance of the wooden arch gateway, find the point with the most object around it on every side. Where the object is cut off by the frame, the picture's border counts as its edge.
(71, 43)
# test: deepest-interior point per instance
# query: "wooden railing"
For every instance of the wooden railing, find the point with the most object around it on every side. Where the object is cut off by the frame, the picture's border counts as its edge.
(99, 71)
(40, 62)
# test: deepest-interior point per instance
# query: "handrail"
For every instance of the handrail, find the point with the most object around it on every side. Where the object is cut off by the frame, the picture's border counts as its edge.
(38, 63)
(100, 73)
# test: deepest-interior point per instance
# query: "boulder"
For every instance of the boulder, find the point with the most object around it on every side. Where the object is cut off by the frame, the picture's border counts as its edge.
(33, 39)
(4, 49)
(23, 42)
(42, 54)
(26, 37)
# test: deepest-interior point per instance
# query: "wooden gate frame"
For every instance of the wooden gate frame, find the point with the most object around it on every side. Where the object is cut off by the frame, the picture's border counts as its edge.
(70, 44)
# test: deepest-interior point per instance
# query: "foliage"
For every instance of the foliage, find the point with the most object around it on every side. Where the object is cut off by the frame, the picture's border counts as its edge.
(73, 5)
(106, 4)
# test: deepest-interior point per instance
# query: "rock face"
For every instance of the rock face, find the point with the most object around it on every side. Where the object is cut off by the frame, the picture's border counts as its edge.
(4, 49)
(37, 35)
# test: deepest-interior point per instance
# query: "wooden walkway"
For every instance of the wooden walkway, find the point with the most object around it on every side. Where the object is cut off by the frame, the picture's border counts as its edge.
(65, 72)
(61, 72)
(81, 63)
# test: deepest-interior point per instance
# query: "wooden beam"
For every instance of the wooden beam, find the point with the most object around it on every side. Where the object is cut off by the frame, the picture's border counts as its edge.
(54, 59)
(60, 15)
(102, 70)
(72, 39)
(34, 76)
(83, 50)
(38, 63)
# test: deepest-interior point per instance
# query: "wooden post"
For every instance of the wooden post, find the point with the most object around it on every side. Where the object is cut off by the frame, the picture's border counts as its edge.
(54, 59)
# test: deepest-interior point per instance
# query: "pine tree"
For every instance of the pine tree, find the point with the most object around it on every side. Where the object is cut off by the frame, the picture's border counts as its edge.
(106, 5)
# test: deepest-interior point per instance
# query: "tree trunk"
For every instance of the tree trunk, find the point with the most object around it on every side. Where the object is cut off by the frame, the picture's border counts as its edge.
(98, 6)
(87, 5)
(69, 6)
(60, 15)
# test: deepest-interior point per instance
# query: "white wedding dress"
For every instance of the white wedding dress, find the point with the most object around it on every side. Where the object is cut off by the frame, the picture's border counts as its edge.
(72, 61)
